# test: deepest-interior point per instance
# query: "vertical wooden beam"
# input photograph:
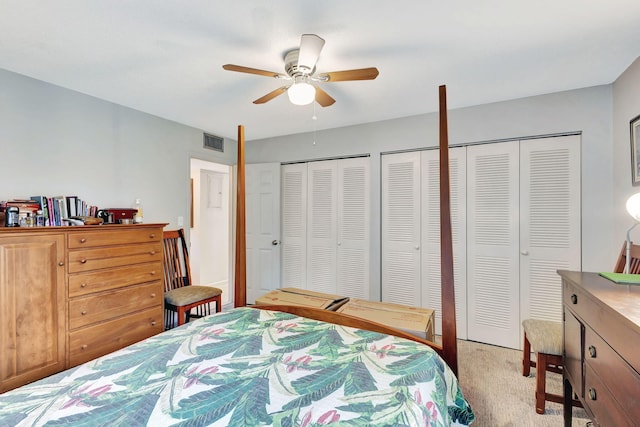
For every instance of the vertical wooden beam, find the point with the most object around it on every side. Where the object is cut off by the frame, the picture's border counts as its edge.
(449, 331)
(240, 284)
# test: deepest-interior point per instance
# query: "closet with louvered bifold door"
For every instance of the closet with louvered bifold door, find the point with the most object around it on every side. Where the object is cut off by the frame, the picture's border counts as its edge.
(411, 231)
(515, 209)
(523, 225)
(325, 226)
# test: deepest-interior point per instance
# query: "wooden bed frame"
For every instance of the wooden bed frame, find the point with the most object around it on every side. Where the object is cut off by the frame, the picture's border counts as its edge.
(449, 348)
(347, 320)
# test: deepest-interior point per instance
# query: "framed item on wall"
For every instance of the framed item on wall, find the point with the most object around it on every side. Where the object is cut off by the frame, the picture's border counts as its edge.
(635, 146)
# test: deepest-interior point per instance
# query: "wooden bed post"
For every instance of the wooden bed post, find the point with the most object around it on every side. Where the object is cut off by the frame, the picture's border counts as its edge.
(240, 284)
(448, 299)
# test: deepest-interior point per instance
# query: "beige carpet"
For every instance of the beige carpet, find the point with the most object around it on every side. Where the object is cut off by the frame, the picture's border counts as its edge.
(491, 380)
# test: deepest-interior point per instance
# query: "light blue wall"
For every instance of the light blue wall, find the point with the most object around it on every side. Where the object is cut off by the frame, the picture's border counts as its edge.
(626, 106)
(588, 111)
(56, 141)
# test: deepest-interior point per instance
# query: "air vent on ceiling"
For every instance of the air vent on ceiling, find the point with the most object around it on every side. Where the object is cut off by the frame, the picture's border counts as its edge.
(213, 142)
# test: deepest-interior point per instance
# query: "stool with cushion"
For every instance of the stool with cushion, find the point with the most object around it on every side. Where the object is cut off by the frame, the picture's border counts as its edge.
(544, 337)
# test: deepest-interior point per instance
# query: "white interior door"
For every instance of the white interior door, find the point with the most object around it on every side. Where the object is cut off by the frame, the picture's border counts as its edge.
(550, 222)
(294, 225)
(353, 237)
(401, 228)
(493, 243)
(431, 277)
(322, 226)
(262, 228)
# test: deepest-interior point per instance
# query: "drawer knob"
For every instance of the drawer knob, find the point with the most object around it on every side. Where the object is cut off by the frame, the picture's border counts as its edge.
(152, 236)
(574, 298)
(592, 351)
(61, 263)
(83, 240)
(83, 285)
(152, 252)
(153, 323)
(153, 273)
(153, 295)
(83, 261)
(592, 393)
(83, 312)
(84, 346)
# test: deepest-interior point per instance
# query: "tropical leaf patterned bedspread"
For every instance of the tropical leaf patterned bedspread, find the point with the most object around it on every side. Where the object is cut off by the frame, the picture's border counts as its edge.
(249, 367)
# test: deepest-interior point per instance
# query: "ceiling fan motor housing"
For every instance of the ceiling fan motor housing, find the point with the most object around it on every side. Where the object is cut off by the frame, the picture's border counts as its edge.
(292, 67)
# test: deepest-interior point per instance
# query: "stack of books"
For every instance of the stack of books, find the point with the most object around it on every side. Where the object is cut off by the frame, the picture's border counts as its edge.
(55, 209)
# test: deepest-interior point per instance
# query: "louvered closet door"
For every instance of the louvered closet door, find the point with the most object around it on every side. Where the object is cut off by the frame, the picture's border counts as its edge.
(294, 225)
(401, 228)
(550, 222)
(493, 243)
(322, 226)
(431, 278)
(353, 228)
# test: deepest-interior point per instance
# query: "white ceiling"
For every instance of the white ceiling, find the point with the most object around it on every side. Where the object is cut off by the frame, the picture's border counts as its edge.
(165, 57)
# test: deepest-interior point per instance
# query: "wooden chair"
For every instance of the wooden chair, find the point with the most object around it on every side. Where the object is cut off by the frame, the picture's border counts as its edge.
(180, 296)
(634, 259)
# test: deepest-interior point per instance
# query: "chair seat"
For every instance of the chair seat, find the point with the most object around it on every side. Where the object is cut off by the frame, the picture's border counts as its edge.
(545, 336)
(189, 294)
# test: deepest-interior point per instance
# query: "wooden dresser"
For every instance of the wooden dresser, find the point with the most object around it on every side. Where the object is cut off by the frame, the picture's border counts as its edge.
(71, 294)
(601, 348)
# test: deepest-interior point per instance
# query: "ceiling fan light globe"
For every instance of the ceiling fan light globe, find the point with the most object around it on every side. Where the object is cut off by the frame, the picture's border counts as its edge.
(301, 93)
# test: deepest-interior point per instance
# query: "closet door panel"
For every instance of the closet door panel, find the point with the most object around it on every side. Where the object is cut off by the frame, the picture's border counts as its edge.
(294, 225)
(550, 219)
(322, 226)
(353, 228)
(493, 243)
(431, 278)
(401, 228)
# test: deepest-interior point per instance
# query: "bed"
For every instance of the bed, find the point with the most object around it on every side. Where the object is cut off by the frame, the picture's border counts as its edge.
(249, 367)
(268, 365)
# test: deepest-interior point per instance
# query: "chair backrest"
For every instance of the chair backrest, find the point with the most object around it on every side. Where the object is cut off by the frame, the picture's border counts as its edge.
(634, 259)
(177, 272)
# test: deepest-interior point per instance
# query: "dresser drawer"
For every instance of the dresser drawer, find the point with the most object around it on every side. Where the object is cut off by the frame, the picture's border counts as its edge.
(88, 343)
(124, 236)
(575, 299)
(616, 375)
(113, 278)
(113, 256)
(580, 303)
(602, 404)
(86, 310)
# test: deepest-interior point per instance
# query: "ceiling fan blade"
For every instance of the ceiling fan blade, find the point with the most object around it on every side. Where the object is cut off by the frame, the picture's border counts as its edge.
(342, 76)
(268, 97)
(323, 98)
(310, 48)
(241, 69)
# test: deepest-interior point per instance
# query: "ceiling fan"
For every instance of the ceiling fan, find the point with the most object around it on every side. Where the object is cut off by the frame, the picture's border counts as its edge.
(300, 67)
